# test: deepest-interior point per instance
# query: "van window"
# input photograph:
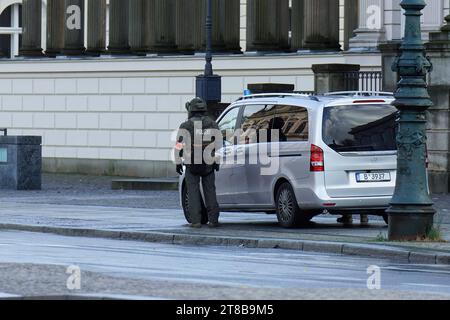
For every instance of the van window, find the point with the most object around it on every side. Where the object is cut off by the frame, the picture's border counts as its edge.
(292, 123)
(254, 119)
(360, 128)
(227, 125)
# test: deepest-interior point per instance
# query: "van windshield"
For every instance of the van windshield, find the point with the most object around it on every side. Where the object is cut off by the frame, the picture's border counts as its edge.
(360, 128)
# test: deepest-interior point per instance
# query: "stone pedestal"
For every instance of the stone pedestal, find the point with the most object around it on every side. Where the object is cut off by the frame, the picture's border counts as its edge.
(31, 35)
(268, 25)
(160, 27)
(321, 25)
(55, 27)
(96, 42)
(20, 162)
(260, 88)
(389, 52)
(74, 27)
(119, 27)
(334, 77)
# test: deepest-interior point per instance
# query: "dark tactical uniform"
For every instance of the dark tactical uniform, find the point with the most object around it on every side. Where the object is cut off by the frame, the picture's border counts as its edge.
(198, 172)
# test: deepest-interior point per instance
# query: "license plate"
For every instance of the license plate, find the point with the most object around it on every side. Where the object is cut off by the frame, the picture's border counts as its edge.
(373, 177)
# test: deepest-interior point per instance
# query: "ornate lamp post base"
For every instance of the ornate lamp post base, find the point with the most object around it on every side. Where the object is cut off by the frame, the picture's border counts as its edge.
(411, 212)
(408, 223)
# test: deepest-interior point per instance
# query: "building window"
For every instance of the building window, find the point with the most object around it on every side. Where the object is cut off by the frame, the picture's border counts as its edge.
(10, 31)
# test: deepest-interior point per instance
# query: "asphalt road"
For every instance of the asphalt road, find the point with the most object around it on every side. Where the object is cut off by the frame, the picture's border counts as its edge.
(35, 264)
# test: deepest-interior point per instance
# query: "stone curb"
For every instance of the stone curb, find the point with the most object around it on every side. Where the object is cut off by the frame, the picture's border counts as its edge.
(354, 249)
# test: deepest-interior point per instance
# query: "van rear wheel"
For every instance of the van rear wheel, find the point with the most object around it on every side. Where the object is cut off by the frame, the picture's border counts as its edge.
(289, 213)
(185, 203)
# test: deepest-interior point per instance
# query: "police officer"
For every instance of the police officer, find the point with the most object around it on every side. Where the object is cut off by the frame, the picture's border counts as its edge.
(192, 141)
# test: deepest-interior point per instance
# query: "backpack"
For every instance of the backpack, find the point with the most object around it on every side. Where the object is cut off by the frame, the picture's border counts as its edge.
(199, 134)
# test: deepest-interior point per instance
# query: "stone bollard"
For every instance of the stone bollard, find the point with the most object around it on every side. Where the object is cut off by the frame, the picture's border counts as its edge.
(389, 52)
(20, 162)
(335, 77)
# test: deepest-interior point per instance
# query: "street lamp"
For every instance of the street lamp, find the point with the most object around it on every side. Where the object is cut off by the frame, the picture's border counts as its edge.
(411, 211)
(209, 85)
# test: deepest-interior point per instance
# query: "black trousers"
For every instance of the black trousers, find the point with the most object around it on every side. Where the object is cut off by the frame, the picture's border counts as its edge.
(195, 199)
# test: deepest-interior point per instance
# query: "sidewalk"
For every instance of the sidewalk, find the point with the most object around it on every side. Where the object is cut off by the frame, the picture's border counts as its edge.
(85, 206)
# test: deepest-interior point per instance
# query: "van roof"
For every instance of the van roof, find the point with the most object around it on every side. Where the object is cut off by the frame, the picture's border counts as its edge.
(333, 98)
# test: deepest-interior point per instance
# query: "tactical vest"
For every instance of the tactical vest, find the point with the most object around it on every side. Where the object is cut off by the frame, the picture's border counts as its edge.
(200, 140)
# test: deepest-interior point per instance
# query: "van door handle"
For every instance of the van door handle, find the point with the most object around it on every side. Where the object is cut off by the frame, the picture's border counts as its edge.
(240, 151)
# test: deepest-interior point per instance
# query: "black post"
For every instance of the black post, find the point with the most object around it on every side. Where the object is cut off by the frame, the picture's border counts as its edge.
(209, 85)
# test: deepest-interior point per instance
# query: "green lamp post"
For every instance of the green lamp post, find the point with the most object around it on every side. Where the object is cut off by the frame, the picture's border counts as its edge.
(411, 211)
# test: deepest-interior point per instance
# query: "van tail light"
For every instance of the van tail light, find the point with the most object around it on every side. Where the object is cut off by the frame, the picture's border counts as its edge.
(317, 159)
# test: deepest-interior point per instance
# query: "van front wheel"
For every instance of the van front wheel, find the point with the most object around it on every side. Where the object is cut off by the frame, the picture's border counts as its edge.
(289, 213)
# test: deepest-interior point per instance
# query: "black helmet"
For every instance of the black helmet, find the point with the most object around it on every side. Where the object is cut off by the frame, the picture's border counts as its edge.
(197, 105)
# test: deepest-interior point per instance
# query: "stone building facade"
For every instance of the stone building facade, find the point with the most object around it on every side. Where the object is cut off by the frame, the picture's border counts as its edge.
(104, 82)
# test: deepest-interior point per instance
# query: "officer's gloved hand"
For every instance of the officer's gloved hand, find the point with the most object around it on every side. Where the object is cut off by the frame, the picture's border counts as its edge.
(180, 169)
(216, 167)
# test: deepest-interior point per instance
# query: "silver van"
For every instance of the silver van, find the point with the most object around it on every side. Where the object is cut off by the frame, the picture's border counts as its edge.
(334, 153)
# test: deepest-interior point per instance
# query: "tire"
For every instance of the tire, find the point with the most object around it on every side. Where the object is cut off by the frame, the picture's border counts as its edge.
(289, 213)
(185, 205)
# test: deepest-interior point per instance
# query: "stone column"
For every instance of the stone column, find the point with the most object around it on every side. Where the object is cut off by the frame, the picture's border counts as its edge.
(189, 24)
(218, 25)
(160, 29)
(370, 32)
(198, 24)
(31, 34)
(96, 42)
(267, 25)
(230, 17)
(225, 26)
(74, 27)
(118, 27)
(137, 30)
(55, 27)
(321, 28)
(351, 20)
(298, 17)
